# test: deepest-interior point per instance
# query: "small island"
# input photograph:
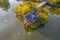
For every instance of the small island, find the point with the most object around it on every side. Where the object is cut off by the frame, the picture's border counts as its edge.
(29, 15)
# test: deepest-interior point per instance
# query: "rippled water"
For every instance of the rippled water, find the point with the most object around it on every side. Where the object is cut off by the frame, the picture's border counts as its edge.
(12, 29)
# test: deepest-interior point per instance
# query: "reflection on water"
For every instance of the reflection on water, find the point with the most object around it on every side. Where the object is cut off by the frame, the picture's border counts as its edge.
(28, 29)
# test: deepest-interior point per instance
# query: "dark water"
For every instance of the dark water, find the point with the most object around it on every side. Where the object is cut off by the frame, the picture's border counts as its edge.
(12, 29)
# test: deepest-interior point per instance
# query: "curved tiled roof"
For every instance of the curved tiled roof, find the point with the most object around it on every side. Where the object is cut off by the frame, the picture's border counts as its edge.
(32, 17)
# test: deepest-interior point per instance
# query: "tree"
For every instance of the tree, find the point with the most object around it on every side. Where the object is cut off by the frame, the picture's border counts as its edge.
(4, 4)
